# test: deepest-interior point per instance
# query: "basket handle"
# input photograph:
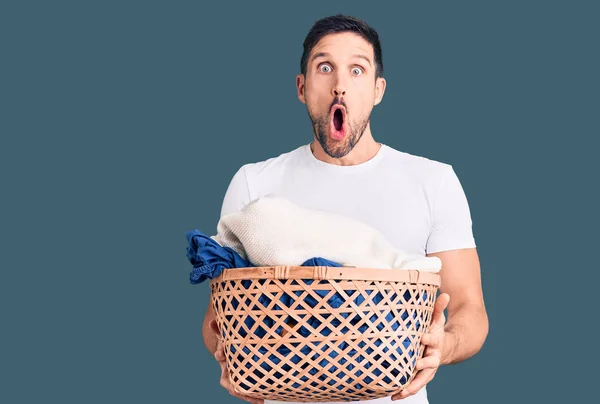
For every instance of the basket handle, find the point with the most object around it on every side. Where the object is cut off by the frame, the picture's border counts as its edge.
(325, 273)
(317, 272)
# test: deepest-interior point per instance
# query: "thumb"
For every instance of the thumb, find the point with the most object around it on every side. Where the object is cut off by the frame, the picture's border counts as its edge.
(441, 304)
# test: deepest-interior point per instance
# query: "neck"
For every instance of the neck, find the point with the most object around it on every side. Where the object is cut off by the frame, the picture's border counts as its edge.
(363, 151)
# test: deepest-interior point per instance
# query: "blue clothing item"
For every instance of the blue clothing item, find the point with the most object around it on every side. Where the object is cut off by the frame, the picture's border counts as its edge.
(320, 262)
(208, 258)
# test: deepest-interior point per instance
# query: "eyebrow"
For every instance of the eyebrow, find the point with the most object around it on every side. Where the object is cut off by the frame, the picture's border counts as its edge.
(325, 54)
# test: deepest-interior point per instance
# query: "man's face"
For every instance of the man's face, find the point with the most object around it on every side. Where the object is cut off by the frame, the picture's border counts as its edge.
(340, 90)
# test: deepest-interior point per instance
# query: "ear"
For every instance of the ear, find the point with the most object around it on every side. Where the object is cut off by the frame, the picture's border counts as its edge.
(380, 84)
(300, 87)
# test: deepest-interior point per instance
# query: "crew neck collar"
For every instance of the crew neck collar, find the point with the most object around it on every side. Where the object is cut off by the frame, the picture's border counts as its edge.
(353, 168)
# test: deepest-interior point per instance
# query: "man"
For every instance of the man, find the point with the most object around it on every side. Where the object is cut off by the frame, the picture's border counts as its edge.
(416, 203)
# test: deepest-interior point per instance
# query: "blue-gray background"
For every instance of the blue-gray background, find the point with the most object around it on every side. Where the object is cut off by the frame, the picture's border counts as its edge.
(122, 123)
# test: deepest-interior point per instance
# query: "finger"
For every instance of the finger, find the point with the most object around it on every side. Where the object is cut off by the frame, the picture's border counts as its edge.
(431, 340)
(397, 396)
(252, 400)
(227, 385)
(421, 379)
(214, 326)
(441, 303)
(220, 353)
(244, 398)
(429, 362)
(224, 377)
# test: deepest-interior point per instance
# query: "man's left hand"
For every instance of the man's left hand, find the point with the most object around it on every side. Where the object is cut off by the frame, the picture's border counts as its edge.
(427, 366)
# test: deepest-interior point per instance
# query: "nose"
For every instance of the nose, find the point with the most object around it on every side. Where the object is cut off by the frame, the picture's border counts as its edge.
(338, 89)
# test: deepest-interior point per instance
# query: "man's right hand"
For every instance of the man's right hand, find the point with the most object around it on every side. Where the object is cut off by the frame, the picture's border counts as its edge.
(220, 357)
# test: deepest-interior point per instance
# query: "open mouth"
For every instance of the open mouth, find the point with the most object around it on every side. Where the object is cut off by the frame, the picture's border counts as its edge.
(338, 127)
(338, 119)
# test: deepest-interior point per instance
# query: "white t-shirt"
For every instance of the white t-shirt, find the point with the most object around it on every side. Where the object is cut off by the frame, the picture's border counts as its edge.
(418, 204)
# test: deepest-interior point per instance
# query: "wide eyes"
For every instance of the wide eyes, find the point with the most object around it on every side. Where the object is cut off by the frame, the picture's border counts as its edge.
(325, 68)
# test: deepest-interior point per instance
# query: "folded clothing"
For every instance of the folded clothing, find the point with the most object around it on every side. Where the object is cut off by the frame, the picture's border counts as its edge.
(274, 231)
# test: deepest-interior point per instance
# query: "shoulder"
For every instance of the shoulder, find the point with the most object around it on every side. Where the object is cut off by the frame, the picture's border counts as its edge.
(425, 169)
(250, 179)
(274, 164)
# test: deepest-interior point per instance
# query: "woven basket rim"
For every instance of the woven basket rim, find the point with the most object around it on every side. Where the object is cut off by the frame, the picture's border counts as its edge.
(329, 273)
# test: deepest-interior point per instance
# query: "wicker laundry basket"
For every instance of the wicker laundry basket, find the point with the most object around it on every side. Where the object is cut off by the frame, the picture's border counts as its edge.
(316, 334)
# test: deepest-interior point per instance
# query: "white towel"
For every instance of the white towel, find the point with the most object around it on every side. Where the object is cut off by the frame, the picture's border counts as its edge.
(274, 231)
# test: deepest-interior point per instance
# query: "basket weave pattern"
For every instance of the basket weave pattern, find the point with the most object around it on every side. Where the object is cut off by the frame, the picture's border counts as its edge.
(315, 334)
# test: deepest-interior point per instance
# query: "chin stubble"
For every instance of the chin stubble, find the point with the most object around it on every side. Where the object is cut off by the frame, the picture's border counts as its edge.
(335, 149)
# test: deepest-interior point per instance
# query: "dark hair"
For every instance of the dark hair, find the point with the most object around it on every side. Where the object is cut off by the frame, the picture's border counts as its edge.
(341, 23)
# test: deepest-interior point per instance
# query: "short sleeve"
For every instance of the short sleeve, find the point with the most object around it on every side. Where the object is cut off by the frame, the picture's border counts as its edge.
(238, 193)
(451, 225)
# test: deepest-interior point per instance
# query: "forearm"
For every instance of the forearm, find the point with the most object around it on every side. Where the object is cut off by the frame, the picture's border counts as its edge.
(466, 331)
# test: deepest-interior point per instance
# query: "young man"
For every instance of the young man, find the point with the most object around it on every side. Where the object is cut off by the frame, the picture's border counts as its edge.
(416, 203)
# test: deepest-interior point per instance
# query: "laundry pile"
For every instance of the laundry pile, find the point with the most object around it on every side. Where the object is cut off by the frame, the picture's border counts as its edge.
(274, 231)
(209, 258)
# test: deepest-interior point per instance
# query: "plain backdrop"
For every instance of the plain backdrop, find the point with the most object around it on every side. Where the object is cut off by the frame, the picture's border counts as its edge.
(122, 123)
